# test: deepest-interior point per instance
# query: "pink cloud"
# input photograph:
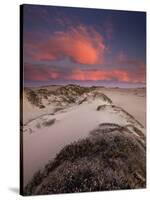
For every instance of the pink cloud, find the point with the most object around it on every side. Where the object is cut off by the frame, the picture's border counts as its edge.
(135, 67)
(119, 75)
(81, 44)
(33, 73)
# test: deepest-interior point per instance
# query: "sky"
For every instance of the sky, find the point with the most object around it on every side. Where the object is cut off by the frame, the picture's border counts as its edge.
(64, 45)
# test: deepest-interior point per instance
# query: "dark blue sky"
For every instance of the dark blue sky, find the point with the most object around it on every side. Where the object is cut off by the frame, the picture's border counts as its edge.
(77, 44)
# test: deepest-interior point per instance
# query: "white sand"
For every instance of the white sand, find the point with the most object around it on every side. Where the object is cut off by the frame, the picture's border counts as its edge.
(131, 100)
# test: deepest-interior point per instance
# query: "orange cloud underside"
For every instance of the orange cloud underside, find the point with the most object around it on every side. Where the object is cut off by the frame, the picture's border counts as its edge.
(81, 45)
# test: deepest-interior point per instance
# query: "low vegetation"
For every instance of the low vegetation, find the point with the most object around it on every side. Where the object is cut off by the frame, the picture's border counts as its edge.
(119, 109)
(103, 97)
(69, 94)
(49, 122)
(34, 98)
(103, 161)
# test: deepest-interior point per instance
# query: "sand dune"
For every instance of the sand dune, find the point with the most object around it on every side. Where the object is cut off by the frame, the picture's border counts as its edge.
(71, 113)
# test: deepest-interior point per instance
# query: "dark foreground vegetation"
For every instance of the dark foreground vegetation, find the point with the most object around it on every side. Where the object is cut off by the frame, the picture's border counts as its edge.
(106, 160)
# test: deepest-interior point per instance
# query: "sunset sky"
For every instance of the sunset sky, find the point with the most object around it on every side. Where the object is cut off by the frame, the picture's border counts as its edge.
(83, 46)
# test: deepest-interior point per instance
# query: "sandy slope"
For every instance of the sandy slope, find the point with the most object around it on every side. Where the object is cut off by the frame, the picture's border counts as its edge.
(132, 100)
(42, 143)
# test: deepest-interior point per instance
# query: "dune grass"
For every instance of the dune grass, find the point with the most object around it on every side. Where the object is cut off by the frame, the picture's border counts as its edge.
(105, 161)
(49, 122)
